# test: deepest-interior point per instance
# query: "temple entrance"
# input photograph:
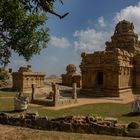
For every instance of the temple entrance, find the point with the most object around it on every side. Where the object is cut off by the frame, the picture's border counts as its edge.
(100, 78)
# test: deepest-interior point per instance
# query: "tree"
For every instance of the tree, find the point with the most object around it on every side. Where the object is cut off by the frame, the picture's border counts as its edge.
(22, 28)
(45, 5)
(3, 74)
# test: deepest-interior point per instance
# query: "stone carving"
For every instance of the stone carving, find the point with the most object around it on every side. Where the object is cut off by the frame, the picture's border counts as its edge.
(55, 98)
(33, 92)
(31, 115)
(71, 69)
(123, 27)
(115, 70)
(71, 76)
(136, 105)
(20, 102)
(25, 69)
(24, 78)
(56, 94)
(74, 91)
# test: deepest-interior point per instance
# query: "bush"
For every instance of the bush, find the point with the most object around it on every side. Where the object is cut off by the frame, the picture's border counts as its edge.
(4, 75)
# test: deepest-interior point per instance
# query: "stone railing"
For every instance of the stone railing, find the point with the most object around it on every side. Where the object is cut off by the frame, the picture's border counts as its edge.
(55, 99)
(76, 124)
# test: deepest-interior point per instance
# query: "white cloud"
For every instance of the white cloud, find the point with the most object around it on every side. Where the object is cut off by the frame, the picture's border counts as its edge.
(130, 13)
(59, 42)
(94, 40)
(90, 40)
(101, 21)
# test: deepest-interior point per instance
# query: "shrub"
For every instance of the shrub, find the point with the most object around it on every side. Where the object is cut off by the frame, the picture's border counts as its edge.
(4, 75)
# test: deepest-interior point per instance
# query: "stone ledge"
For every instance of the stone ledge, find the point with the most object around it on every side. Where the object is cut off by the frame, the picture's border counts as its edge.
(76, 124)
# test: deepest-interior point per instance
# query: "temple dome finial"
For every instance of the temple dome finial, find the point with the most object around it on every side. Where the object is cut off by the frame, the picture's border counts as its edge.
(124, 27)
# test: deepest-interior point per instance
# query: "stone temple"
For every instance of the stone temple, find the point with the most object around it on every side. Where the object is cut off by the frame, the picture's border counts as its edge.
(25, 78)
(71, 76)
(115, 70)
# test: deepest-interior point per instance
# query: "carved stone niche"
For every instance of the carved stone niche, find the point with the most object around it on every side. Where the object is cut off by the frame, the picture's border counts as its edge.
(120, 70)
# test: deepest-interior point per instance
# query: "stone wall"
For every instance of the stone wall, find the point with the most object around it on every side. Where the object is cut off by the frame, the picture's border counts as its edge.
(76, 124)
(55, 99)
(116, 69)
(24, 78)
(71, 76)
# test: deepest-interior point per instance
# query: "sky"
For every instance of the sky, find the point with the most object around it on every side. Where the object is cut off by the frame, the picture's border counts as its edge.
(88, 26)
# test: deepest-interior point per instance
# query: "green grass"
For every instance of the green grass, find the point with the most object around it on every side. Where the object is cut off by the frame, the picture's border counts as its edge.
(7, 94)
(119, 111)
(6, 104)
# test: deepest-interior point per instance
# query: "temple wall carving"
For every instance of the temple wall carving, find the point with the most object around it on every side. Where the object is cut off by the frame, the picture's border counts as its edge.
(25, 78)
(71, 76)
(117, 68)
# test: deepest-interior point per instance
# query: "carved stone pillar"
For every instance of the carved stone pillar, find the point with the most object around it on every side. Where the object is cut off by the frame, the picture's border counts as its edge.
(33, 92)
(74, 91)
(55, 93)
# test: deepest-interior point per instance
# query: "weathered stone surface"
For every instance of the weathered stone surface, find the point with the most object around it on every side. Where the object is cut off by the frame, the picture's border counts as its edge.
(4, 118)
(132, 125)
(136, 105)
(25, 78)
(115, 70)
(21, 103)
(76, 124)
(111, 121)
(71, 76)
(31, 115)
(54, 98)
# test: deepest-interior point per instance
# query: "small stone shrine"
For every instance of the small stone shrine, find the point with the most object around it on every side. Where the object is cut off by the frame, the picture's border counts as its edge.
(25, 78)
(115, 70)
(71, 76)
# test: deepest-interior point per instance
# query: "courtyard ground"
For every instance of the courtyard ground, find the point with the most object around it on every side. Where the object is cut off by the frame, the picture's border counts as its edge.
(105, 107)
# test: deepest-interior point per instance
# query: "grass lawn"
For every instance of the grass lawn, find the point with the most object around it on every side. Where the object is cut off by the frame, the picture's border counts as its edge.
(119, 111)
(7, 94)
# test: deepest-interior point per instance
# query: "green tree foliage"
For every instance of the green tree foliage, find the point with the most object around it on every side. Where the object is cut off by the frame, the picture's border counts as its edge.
(22, 28)
(3, 74)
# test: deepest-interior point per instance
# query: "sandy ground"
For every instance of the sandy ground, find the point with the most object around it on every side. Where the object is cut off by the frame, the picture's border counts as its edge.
(18, 133)
(12, 133)
(123, 99)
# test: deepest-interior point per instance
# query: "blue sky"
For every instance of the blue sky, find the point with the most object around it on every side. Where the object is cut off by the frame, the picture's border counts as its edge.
(88, 26)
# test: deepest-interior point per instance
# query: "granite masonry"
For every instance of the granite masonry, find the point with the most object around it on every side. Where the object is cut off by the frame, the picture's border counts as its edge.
(25, 77)
(115, 70)
(71, 76)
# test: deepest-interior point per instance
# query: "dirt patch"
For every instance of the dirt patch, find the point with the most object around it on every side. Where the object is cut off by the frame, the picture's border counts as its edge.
(18, 133)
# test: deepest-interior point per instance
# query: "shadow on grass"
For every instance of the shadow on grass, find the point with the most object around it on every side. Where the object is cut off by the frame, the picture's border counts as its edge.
(9, 89)
(132, 114)
(11, 111)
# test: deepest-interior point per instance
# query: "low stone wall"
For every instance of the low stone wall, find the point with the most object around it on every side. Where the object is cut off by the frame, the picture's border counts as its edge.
(60, 102)
(76, 124)
(54, 98)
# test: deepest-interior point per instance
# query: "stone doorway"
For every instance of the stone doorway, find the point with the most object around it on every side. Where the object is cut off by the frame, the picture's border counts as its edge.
(99, 78)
